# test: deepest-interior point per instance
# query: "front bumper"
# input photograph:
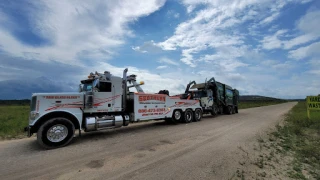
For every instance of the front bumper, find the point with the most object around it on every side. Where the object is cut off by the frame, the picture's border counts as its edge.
(28, 130)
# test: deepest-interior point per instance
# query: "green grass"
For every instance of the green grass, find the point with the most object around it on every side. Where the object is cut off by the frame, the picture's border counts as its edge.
(12, 121)
(301, 136)
(251, 104)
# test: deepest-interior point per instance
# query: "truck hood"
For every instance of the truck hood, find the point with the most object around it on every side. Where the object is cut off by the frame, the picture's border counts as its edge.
(57, 95)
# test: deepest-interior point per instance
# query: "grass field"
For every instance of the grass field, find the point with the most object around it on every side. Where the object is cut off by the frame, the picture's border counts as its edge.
(12, 121)
(15, 117)
(290, 150)
(301, 136)
(251, 104)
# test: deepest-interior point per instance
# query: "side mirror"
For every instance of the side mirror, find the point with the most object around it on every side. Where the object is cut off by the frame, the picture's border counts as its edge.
(80, 88)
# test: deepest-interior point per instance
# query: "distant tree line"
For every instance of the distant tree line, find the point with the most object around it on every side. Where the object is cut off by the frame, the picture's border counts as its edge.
(15, 102)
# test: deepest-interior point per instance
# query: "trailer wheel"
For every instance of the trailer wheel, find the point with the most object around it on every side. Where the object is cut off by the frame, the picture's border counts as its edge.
(177, 116)
(197, 115)
(55, 133)
(188, 116)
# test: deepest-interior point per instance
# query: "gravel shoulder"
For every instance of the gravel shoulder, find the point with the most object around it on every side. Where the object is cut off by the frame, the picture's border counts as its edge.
(209, 149)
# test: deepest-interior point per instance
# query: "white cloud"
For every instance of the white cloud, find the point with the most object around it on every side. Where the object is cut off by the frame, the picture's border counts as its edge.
(309, 23)
(210, 40)
(168, 61)
(268, 62)
(172, 13)
(270, 19)
(316, 72)
(308, 30)
(305, 52)
(161, 67)
(216, 25)
(174, 81)
(273, 42)
(76, 30)
(137, 48)
(176, 15)
(298, 41)
(148, 47)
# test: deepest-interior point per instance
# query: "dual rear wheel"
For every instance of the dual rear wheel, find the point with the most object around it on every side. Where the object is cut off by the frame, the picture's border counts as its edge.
(231, 109)
(188, 116)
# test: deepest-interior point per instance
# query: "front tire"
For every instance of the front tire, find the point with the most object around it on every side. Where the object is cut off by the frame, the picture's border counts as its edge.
(55, 133)
(214, 110)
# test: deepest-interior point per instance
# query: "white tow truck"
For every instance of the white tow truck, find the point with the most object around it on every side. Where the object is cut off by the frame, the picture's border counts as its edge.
(104, 101)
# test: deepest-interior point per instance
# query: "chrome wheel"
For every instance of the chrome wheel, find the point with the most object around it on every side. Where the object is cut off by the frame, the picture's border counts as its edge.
(177, 115)
(57, 133)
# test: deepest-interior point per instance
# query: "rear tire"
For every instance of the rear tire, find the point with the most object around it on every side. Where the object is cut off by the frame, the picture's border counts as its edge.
(55, 133)
(177, 116)
(233, 110)
(229, 110)
(197, 115)
(188, 116)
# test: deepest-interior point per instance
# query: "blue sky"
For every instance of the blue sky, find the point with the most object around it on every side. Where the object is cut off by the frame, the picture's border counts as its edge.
(263, 47)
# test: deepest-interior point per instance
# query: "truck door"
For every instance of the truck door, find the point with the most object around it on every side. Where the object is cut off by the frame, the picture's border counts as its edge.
(209, 97)
(103, 97)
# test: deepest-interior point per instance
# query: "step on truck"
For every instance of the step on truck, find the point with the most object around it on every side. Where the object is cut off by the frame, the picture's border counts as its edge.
(103, 102)
(215, 97)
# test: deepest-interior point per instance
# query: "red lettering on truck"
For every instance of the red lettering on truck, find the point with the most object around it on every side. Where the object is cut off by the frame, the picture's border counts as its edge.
(152, 97)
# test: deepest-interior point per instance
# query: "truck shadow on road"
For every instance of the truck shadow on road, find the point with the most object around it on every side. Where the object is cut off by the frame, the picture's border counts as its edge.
(131, 130)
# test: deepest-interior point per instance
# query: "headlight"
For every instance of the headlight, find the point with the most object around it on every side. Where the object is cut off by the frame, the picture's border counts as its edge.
(33, 115)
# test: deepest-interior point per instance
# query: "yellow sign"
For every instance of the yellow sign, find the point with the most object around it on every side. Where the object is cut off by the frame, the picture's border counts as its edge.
(313, 103)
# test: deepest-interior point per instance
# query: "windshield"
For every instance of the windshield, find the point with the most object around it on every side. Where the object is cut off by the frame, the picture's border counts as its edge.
(199, 94)
(87, 87)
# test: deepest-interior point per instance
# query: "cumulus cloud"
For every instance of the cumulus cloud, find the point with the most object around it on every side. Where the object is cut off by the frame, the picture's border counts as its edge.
(93, 28)
(273, 42)
(305, 52)
(166, 60)
(214, 26)
(307, 27)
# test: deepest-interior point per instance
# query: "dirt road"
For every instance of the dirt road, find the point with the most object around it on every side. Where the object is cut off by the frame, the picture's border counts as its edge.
(208, 149)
